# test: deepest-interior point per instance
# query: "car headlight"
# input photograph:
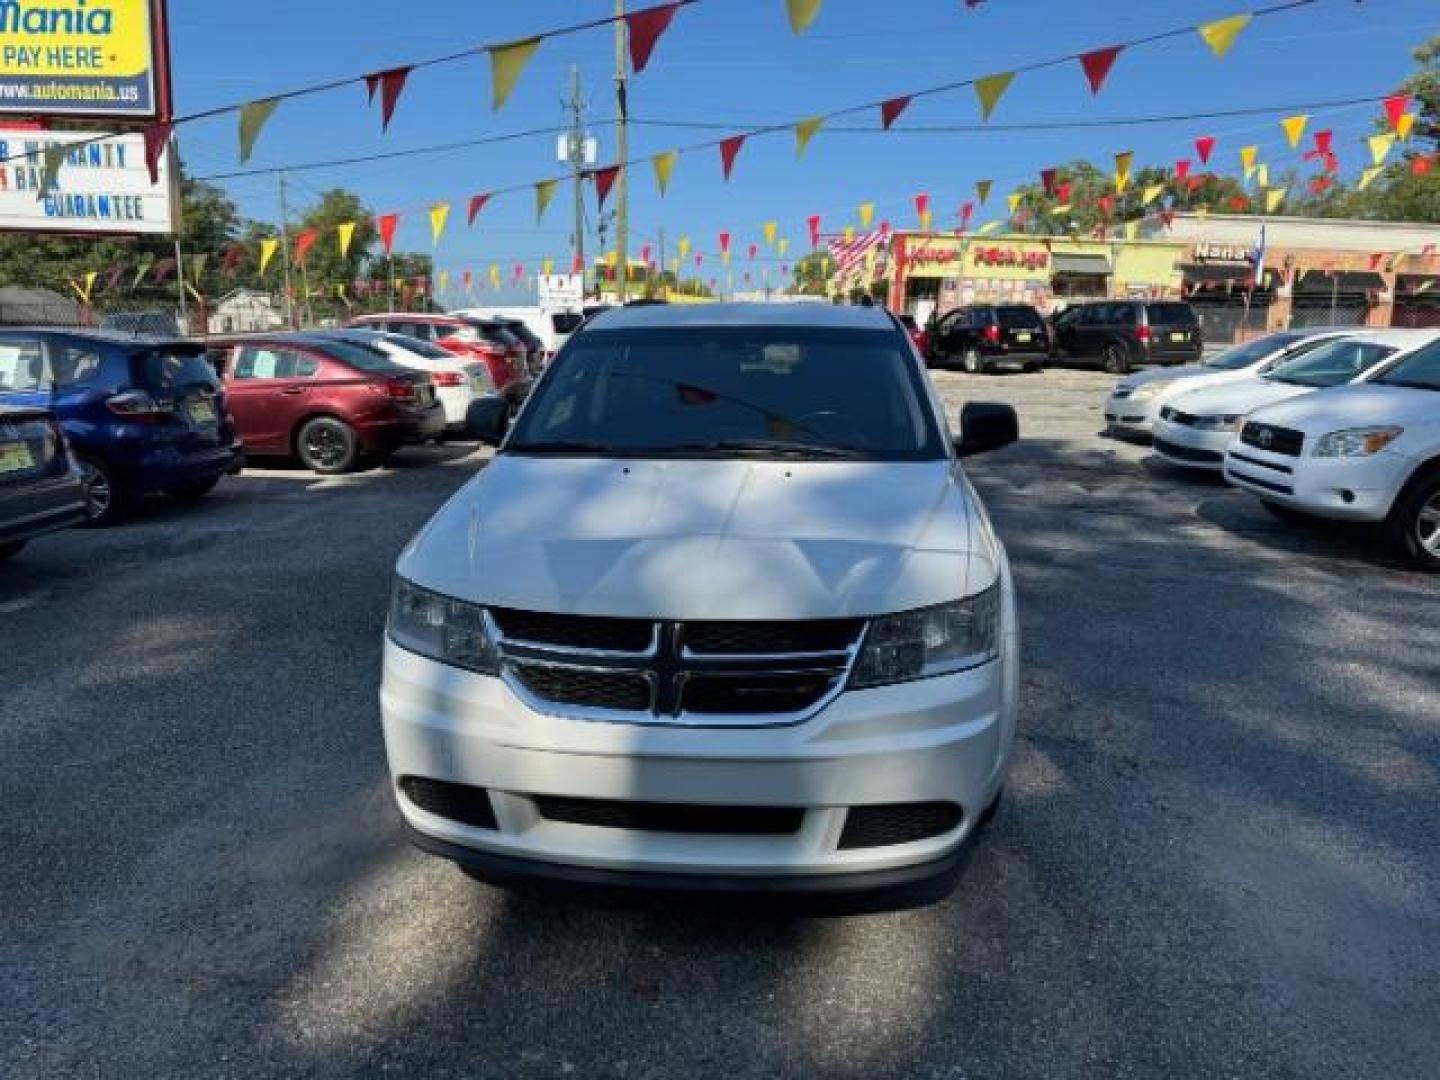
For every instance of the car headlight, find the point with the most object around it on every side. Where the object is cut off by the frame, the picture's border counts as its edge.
(442, 628)
(931, 641)
(1356, 442)
(1226, 422)
(1150, 389)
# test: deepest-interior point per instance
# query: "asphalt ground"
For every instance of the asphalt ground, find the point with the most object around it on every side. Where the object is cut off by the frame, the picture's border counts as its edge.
(1218, 854)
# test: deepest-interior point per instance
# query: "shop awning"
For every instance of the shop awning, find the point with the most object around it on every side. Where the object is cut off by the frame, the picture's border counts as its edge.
(1342, 281)
(1080, 264)
(1214, 274)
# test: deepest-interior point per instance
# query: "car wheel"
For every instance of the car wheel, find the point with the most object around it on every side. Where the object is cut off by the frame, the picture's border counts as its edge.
(192, 492)
(327, 446)
(106, 501)
(1414, 523)
(1115, 361)
(10, 549)
(972, 363)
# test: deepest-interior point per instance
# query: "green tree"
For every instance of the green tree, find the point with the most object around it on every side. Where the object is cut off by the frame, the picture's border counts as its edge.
(813, 273)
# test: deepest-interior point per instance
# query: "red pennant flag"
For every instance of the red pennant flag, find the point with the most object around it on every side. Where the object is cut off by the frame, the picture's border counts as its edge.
(1332, 163)
(922, 204)
(518, 274)
(884, 229)
(1420, 166)
(391, 83)
(1322, 141)
(1182, 168)
(1395, 106)
(162, 270)
(967, 211)
(1375, 260)
(1047, 180)
(1097, 65)
(724, 243)
(467, 279)
(699, 258)
(604, 181)
(785, 270)
(754, 249)
(1203, 146)
(1427, 250)
(577, 265)
(1062, 191)
(645, 28)
(112, 276)
(1106, 204)
(645, 254)
(814, 222)
(386, 224)
(729, 148)
(234, 256)
(303, 243)
(1318, 185)
(1238, 203)
(1194, 184)
(891, 110)
(157, 137)
(477, 203)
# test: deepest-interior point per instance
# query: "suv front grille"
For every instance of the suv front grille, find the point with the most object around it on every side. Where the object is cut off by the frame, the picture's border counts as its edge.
(672, 817)
(1277, 440)
(713, 674)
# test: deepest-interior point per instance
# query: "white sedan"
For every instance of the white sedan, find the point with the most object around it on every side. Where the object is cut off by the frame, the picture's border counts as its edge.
(1361, 453)
(1136, 400)
(458, 381)
(1194, 429)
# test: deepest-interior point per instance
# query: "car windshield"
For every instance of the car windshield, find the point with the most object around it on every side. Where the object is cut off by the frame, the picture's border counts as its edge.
(1020, 318)
(361, 357)
(1252, 352)
(728, 392)
(427, 349)
(1332, 364)
(1418, 371)
(565, 322)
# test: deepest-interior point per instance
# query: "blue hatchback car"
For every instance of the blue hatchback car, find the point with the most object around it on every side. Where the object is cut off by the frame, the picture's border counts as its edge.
(140, 414)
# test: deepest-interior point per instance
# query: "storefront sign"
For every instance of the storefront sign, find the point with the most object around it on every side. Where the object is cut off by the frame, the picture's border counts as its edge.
(1220, 253)
(1011, 257)
(560, 290)
(102, 187)
(102, 58)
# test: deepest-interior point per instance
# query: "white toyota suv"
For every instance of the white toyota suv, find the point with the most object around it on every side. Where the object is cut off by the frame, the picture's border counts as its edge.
(1368, 452)
(723, 612)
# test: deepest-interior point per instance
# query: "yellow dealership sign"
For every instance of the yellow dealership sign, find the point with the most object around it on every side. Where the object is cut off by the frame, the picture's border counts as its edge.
(101, 58)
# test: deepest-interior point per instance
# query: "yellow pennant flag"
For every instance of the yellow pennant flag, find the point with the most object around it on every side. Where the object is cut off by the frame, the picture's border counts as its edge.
(439, 215)
(783, 245)
(1367, 177)
(1398, 261)
(802, 14)
(1123, 161)
(1294, 128)
(1063, 208)
(867, 214)
(1132, 230)
(345, 232)
(664, 165)
(1403, 125)
(444, 280)
(1221, 33)
(804, 132)
(544, 192)
(1151, 193)
(988, 228)
(1247, 158)
(494, 275)
(1013, 200)
(989, 90)
(771, 227)
(267, 252)
(90, 276)
(725, 258)
(849, 233)
(1380, 147)
(1273, 198)
(982, 191)
(683, 246)
(547, 267)
(1262, 175)
(252, 119)
(612, 258)
(506, 64)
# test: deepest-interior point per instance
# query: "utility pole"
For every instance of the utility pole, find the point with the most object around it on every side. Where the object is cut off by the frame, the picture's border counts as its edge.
(622, 152)
(180, 279)
(576, 155)
(285, 251)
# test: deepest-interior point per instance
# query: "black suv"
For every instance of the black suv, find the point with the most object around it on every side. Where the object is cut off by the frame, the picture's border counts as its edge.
(1118, 334)
(984, 336)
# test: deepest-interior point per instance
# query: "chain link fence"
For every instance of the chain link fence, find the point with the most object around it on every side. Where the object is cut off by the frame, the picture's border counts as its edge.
(1343, 312)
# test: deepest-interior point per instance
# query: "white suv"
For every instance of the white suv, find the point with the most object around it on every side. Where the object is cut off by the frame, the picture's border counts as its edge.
(1368, 452)
(723, 612)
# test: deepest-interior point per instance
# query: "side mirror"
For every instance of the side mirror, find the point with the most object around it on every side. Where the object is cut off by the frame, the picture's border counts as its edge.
(986, 426)
(487, 418)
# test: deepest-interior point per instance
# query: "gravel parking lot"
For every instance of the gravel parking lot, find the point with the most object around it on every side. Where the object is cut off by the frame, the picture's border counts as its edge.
(1218, 854)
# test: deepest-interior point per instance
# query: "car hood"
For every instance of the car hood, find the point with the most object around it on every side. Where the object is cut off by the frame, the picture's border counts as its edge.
(1355, 406)
(1150, 375)
(1237, 397)
(707, 539)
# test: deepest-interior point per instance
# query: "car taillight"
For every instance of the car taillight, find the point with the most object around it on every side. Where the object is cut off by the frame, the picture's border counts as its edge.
(992, 334)
(139, 406)
(447, 378)
(399, 389)
(1144, 335)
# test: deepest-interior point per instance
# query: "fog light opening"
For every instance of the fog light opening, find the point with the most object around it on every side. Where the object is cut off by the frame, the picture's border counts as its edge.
(1346, 495)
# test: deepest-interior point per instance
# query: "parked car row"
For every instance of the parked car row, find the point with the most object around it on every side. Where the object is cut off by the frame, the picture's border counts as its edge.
(1117, 335)
(1332, 423)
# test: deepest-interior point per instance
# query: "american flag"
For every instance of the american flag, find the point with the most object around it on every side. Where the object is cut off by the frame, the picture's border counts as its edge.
(850, 254)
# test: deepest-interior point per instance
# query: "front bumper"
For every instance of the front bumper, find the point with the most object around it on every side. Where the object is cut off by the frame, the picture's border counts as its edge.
(944, 740)
(1129, 416)
(1188, 447)
(1347, 489)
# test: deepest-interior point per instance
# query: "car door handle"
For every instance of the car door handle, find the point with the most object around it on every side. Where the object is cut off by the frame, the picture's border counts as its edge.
(292, 390)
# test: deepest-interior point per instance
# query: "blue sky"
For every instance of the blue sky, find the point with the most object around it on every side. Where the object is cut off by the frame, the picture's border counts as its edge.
(736, 62)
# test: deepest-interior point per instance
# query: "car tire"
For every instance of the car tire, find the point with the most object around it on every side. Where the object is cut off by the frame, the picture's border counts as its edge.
(1115, 361)
(10, 549)
(972, 363)
(327, 446)
(193, 492)
(106, 499)
(1414, 521)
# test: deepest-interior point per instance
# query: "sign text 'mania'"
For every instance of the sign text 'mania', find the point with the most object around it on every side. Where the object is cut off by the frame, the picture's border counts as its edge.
(54, 17)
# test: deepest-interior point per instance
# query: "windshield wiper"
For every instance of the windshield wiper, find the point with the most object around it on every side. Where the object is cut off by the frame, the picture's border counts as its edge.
(564, 446)
(766, 448)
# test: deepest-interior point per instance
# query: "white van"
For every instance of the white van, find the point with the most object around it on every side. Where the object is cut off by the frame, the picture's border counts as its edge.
(553, 326)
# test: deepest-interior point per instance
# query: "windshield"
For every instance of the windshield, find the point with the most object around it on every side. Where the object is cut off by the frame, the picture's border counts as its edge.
(761, 391)
(1418, 371)
(1252, 352)
(417, 347)
(1331, 364)
(565, 322)
(361, 357)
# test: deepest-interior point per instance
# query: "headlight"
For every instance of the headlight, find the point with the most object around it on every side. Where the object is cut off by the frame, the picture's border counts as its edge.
(444, 629)
(1150, 389)
(932, 641)
(1356, 442)
(1220, 423)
